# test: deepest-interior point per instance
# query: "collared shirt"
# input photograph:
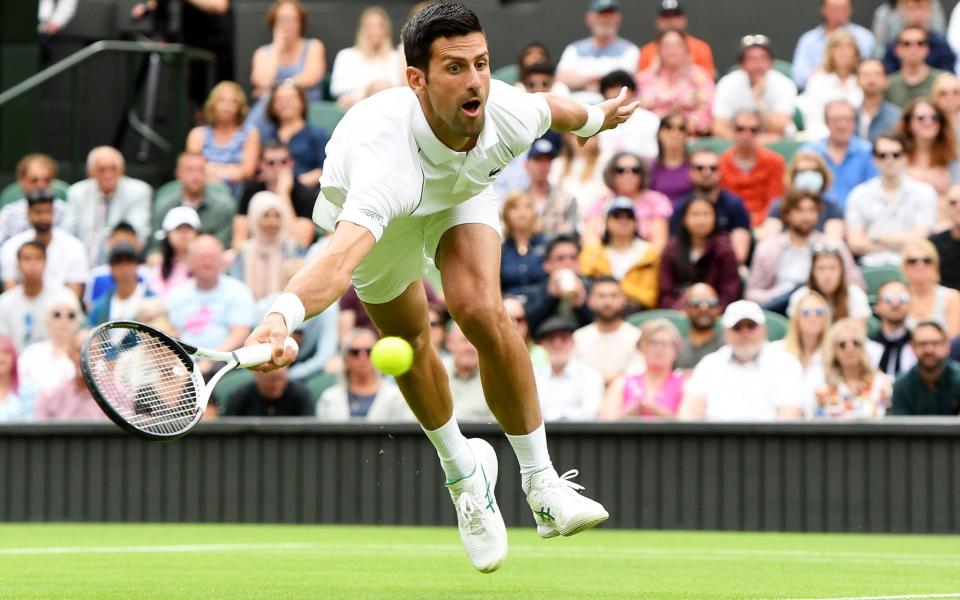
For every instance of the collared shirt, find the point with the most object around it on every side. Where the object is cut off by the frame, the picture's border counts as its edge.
(857, 167)
(753, 391)
(915, 203)
(384, 161)
(90, 215)
(13, 218)
(912, 396)
(812, 45)
(66, 258)
(204, 317)
(574, 394)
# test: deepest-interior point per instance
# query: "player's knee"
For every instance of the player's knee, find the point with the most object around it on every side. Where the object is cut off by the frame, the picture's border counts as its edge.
(479, 316)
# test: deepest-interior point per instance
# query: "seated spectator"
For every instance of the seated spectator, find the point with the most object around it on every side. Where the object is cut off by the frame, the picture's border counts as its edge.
(463, 373)
(657, 391)
(607, 344)
(828, 277)
(584, 62)
(750, 171)
(123, 302)
(371, 65)
(11, 407)
(270, 394)
(259, 262)
(702, 307)
(677, 84)
(836, 82)
(534, 53)
(877, 115)
(699, 253)
(849, 158)
(813, 48)
(181, 225)
(34, 172)
(107, 197)
(890, 17)
(578, 171)
(931, 147)
(557, 209)
(854, 388)
(947, 242)
(517, 314)
(805, 340)
(945, 95)
(275, 174)
(758, 88)
(915, 77)
(670, 173)
(746, 380)
(672, 16)
(23, 308)
(638, 134)
(306, 143)
(229, 147)
(893, 354)
(45, 365)
(569, 390)
(541, 77)
(623, 255)
(439, 320)
(732, 217)
(100, 280)
(932, 386)
(627, 176)
(807, 171)
(930, 301)
(69, 400)
(153, 312)
(66, 263)
(212, 203)
(362, 392)
(939, 54)
(564, 293)
(523, 249)
(886, 211)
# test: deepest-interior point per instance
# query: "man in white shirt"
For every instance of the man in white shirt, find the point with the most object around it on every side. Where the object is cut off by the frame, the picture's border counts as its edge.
(748, 379)
(23, 308)
(463, 371)
(608, 343)
(407, 177)
(34, 172)
(569, 389)
(639, 133)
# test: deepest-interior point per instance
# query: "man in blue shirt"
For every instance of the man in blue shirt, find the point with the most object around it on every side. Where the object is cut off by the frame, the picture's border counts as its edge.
(849, 158)
(876, 114)
(812, 45)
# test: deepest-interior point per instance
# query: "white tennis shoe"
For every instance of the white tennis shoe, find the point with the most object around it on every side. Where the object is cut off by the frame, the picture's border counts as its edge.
(482, 530)
(558, 508)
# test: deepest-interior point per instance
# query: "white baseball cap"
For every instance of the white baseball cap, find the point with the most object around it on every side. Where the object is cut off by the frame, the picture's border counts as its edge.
(742, 310)
(177, 216)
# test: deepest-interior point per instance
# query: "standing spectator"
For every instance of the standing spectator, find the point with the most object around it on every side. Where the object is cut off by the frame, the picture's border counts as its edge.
(564, 293)
(757, 87)
(623, 255)
(814, 44)
(854, 389)
(107, 197)
(918, 13)
(11, 407)
(229, 146)
(807, 171)
(606, 344)
(181, 225)
(657, 391)
(124, 301)
(700, 253)
(886, 211)
(270, 394)
(915, 77)
(732, 217)
(930, 300)
(557, 209)
(673, 17)
(890, 17)
(806, 339)
(306, 143)
(828, 277)
(675, 83)
(568, 389)
(638, 134)
(523, 248)
(930, 145)
(849, 158)
(877, 115)
(66, 255)
(746, 380)
(945, 95)
(894, 355)
(463, 373)
(69, 400)
(517, 314)
(34, 172)
(584, 62)
(23, 308)
(259, 262)
(46, 364)
(702, 307)
(947, 242)
(670, 174)
(932, 387)
(371, 65)
(211, 201)
(749, 170)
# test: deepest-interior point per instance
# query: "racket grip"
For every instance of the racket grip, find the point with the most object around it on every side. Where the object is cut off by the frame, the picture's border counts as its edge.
(251, 356)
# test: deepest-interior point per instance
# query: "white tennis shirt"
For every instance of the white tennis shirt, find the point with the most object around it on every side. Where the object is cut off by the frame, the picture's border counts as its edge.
(384, 161)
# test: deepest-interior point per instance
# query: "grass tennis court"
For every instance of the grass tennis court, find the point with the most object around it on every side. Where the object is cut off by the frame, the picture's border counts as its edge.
(263, 561)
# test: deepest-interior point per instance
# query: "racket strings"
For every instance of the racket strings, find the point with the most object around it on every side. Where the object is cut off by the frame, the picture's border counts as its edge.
(148, 384)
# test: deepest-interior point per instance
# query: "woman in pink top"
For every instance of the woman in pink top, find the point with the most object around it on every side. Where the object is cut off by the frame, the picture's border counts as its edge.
(657, 391)
(674, 83)
(180, 227)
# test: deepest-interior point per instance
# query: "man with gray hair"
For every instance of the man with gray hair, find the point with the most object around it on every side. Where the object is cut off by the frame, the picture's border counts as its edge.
(750, 171)
(104, 199)
(849, 158)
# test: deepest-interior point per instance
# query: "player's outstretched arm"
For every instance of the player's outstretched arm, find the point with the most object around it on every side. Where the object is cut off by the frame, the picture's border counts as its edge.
(587, 120)
(316, 286)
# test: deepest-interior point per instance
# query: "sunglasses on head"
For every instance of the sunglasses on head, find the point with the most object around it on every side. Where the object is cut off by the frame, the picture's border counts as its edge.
(743, 129)
(822, 248)
(886, 155)
(844, 344)
(358, 351)
(744, 326)
(896, 298)
(813, 312)
(913, 260)
(621, 170)
(703, 304)
(706, 168)
(60, 314)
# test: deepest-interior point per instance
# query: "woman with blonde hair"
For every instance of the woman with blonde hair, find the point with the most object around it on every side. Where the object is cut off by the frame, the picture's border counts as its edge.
(259, 262)
(806, 338)
(289, 56)
(807, 171)
(829, 278)
(578, 169)
(47, 364)
(837, 80)
(945, 95)
(524, 247)
(853, 389)
(920, 263)
(371, 65)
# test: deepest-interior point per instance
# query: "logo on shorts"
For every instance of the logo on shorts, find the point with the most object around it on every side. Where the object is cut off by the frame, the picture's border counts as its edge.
(372, 215)
(495, 171)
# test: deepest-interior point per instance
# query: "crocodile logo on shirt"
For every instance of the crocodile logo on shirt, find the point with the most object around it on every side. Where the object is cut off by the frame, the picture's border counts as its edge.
(494, 171)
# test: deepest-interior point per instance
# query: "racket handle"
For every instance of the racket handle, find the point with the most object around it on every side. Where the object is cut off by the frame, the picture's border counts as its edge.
(251, 356)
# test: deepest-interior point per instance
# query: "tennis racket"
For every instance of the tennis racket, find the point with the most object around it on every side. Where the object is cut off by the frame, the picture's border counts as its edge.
(146, 381)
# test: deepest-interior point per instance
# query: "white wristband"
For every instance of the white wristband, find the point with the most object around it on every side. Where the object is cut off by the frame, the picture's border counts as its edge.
(289, 307)
(594, 122)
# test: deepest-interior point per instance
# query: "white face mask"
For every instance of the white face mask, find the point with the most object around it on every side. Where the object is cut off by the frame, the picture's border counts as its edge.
(811, 181)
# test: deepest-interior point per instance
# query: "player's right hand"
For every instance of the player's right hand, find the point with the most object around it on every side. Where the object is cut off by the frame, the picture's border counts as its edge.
(617, 110)
(273, 330)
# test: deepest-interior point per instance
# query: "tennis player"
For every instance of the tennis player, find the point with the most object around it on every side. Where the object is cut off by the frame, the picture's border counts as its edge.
(408, 177)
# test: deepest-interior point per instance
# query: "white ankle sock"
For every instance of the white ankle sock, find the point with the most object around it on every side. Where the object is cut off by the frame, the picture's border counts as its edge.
(456, 457)
(532, 454)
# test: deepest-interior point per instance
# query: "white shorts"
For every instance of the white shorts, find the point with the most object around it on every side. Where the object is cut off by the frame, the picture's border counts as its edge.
(401, 255)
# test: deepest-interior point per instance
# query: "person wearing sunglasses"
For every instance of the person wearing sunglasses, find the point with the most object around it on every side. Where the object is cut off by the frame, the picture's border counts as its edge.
(34, 172)
(891, 351)
(931, 301)
(935, 49)
(69, 400)
(806, 340)
(947, 242)
(675, 83)
(749, 170)
(747, 380)
(913, 76)
(670, 172)
(932, 386)
(702, 307)
(931, 147)
(853, 387)
(828, 277)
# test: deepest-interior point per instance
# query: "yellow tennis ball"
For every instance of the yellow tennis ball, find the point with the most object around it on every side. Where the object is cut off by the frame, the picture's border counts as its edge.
(392, 355)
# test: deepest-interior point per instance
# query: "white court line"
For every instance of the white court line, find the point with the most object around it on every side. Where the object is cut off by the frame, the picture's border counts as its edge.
(151, 549)
(906, 597)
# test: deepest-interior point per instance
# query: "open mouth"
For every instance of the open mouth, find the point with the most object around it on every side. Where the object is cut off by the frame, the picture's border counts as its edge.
(471, 108)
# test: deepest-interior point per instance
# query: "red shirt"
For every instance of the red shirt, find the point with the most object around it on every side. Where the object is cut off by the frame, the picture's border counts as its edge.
(759, 187)
(700, 54)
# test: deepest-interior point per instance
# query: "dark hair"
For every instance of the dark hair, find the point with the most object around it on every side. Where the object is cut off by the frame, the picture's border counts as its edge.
(618, 79)
(612, 166)
(123, 227)
(526, 50)
(914, 27)
(166, 267)
(32, 244)
(685, 272)
(563, 238)
(605, 279)
(444, 19)
(944, 148)
(662, 34)
(890, 136)
(663, 125)
(272, 113)
(273, 144)
(540, 68)
(793, 198)
(606, 232)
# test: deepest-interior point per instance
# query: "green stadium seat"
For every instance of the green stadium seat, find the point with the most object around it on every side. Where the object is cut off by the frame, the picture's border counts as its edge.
(508, 74)
(873, 325)
(325, 115)
(172, 188)
(786, 148)
(676, 317)
(229, 385)
(782, 66)
(12, 192)
(777, 326)
(876, 276)
(717, 145)
(317, 384)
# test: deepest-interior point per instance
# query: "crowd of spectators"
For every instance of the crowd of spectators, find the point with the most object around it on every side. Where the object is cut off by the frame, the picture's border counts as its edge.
(780, 240)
